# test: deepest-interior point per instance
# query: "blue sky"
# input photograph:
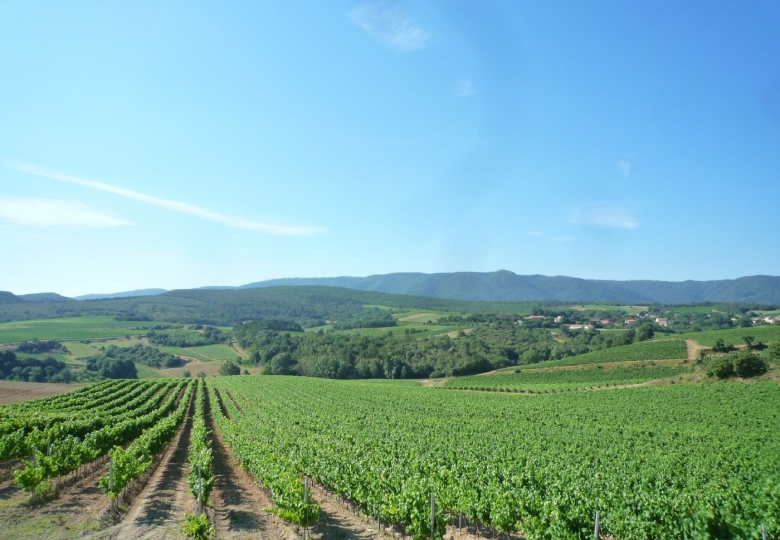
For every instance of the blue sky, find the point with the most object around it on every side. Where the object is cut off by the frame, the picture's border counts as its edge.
(182, 144)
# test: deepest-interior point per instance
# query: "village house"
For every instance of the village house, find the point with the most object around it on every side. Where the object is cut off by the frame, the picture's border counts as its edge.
(580, 327)
(630, 321)
(662, 321)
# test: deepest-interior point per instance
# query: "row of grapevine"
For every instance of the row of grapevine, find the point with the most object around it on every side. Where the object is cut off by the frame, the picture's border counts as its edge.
(140, 400)
(129, 463)
(68, 453)
(665, 349)
(201, 475)
(273, 471)
(682, 461)
(41, 415)
(77, 399)
(566, 379)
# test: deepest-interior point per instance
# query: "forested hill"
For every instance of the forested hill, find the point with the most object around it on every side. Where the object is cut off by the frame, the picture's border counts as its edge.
(309, 306)
(506, 286)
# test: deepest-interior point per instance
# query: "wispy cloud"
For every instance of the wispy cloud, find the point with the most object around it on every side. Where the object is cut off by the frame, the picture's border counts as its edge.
(391, 27)
(56, 212)
(604, 214)
(177, 206)
(562, 238)
(464, 88)
(624, 168)
(534, 233)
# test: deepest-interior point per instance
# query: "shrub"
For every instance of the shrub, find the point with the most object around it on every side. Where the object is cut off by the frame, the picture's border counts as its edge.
(748, 364)
(744, 363)
(720, 367)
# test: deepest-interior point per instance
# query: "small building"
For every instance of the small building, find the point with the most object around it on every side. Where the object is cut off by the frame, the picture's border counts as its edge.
(772, 320)
(662, 321)
(559, 319)
(630, 321)
(535, 317)
(580, 327)
(605, 320)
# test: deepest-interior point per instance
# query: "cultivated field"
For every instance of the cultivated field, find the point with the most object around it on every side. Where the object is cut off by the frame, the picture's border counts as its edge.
(72, 328)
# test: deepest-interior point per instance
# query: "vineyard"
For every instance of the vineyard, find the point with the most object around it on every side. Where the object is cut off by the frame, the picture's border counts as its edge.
(669, 349)
(542, 380)
(661, 462)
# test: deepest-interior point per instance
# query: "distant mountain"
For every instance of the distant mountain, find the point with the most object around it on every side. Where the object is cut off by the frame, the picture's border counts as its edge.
(45, 297)
(506, 286)
(9, 298)
(127, 294)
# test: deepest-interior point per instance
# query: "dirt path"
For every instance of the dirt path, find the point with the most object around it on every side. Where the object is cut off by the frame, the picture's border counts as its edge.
(158, 511)
(693, 349)
(238, 504)
(338, 522)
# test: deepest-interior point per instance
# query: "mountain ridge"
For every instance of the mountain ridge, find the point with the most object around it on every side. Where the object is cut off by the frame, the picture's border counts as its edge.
(506, 286)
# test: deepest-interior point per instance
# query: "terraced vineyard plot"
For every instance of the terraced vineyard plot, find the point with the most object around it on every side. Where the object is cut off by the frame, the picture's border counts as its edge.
(658, 462)
(767, 334)
(672, 349)
(566, 379)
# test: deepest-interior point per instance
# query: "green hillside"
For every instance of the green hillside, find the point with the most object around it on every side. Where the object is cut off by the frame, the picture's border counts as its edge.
(671, 349)
(310, 306)
(540, 380)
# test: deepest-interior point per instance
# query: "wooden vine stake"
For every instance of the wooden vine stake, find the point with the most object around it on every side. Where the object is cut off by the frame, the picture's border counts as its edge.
(306, 505)
(596, 529)
(433, 515)
(111, 480)
(200, 491)
(763, 531)
(35, 465)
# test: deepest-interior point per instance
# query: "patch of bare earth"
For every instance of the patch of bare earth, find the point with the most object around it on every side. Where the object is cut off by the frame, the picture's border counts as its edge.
(693, 349)
(157, 512)
(78, 509)
(17, 391)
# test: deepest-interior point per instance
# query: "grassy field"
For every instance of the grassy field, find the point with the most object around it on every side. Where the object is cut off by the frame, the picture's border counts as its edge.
(68, 359)
(145, 372)
(216, 352)
(187, 352)
(646, 350)
(72, 328)
(608, 307)
(81, 350)
(733, 336)
(376, 306)
(704, 310)
(420, 316)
